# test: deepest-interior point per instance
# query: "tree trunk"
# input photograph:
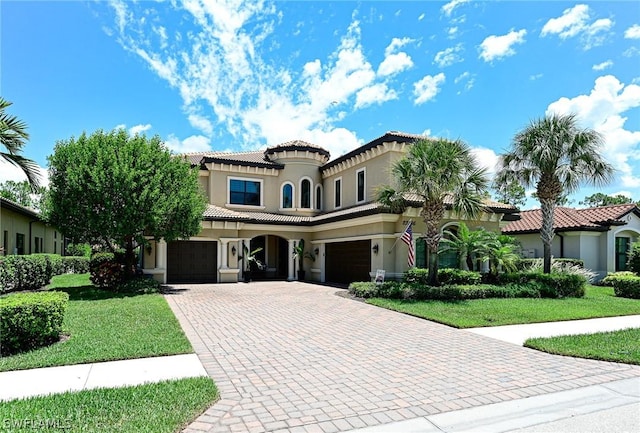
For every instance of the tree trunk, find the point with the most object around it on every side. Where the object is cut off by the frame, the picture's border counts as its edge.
(546, 231)
(432, 213)
(129, 259)
(464, 261)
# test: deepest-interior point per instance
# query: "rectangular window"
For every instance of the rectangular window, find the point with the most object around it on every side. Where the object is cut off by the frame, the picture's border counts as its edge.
(37, 245)
(338, 192)
(19, 243)
(5, 242)
(622, 253)
(245, 192)
(360, 185)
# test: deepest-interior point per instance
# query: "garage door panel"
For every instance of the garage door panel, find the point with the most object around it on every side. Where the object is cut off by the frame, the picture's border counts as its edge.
(192, 262)
(347, 262)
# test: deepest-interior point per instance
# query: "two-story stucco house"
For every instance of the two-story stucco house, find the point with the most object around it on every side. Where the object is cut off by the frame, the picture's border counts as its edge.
(271, 199)
(24, 232)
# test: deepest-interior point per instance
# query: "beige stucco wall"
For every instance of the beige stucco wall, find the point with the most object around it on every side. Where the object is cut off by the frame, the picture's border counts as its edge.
(14, 223)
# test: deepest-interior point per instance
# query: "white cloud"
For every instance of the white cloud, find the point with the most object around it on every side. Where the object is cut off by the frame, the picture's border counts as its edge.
(194, 143)
(201, 123)
(486, 158)
(448, 8)
(602, 66)
(139, 129)
(421, 17)
(376, 94)
(632, 32)
(467, 78)
(535, 77)
(427, 88)
(449, 56)
(497, 47)
(575, 22)
(9, 171)
(602, 109)
(394, 61)
(396, 43)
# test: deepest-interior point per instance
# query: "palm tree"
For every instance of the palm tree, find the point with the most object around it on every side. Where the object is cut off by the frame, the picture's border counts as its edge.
(464, 242)
(556, 156)
(13, 134)
(438, 172)
(502, 252)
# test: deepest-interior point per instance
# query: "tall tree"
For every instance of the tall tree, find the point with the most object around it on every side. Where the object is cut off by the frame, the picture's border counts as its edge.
(437, 171)
(13, 135)
(22, 193)
(600, 199)
(112, 189)
(511, 193)
(556, 156)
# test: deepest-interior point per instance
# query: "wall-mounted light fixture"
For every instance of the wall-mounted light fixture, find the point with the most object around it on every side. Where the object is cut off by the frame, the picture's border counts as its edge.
(233, 250)
(375, 249)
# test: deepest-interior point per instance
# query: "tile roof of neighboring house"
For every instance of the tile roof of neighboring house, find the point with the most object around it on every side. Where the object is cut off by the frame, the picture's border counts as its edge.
(16, 207)
(400, 137)
(253, 159)
(495, 206)
(569, 219)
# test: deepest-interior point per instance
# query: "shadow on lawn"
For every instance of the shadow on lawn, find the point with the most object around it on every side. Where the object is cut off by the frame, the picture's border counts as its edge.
(91, 293)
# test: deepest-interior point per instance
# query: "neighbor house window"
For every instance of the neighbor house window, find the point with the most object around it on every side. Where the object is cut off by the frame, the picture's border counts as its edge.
(360, 185)
(5, 242)
(338, 192)
(245, 192)
(305, 194)
(319, 197)
(37, 245)
(19, 243)
(622, 253)
(287, 196)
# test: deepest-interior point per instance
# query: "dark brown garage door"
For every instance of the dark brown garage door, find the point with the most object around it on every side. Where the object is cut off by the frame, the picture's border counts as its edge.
(347, 262)
(192, 262)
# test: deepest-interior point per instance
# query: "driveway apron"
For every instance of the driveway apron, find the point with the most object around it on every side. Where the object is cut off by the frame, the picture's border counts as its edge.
(295, 357)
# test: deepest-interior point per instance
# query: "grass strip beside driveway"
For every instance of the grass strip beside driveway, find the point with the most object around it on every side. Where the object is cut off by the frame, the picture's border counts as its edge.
(160, 407)
(106, 326)
(598, 302)
(617, 346)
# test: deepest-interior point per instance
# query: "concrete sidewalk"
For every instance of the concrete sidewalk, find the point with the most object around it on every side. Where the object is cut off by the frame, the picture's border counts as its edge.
(518, 334)
(113, 374)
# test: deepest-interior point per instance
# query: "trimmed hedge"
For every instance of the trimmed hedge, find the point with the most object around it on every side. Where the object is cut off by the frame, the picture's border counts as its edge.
(549, 285)
(106, 270)
(30, 320)
(445, 276)
(633, 262)
(625, 285)
(35, 271)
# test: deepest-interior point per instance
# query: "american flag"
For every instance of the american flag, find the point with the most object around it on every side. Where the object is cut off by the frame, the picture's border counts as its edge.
(407, 238)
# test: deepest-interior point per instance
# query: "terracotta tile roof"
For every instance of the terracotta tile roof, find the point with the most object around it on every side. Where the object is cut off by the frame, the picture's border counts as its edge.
(253, 158)
(569, 219)
(491, 204)
(297, 145)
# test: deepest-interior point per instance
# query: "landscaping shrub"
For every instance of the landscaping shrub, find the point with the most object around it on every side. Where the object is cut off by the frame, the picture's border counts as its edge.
(625, 284)
(549, 285)
(35, 271)
(75, 265)
(526, 264)
(30, 320)
(458, 276)
(78, 250)
(633, 261)
(416, 276)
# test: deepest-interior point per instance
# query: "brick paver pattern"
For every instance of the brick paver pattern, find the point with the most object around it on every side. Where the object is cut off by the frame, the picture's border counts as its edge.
(294, 357)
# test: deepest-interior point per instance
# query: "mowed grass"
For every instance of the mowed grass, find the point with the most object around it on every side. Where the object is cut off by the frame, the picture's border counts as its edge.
(617, 346)
(598, 302)
(106, 326)
(161, 407)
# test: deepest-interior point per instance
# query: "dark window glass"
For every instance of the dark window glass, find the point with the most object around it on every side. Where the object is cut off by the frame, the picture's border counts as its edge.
(338, 193)
(244, 192)
(305, 194)
(287, 196)
(361, 185)
(319, 198)
(622, 253)
(19, 243)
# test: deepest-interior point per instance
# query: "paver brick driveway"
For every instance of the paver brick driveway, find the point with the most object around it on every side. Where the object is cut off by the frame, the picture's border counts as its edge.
(295, 357)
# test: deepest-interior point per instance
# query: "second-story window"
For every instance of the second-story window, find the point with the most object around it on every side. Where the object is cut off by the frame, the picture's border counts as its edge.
(338, 192)
(287, 196)
(244, 192)
(305, 194)
(319, 197)
(360, 185)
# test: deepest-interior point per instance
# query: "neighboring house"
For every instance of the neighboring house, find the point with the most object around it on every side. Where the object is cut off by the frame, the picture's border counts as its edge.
(22, 231)
(600, 236)
(271, 199)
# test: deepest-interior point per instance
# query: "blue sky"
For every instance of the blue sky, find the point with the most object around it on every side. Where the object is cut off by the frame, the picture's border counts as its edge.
(234, 75)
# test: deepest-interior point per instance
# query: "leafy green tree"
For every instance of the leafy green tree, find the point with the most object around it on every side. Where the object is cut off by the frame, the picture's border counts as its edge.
(511, 193)
(600, 199)
(13, 135)
(112, 189)
(437, 172)
(22, 193)
(555, 156)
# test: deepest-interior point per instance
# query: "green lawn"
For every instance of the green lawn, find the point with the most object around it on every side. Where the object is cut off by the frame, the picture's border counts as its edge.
(161, 407)
(618, 346)
(105, 326)
(598, 302)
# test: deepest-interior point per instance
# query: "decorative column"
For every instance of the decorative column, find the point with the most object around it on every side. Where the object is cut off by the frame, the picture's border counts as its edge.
(224, 248)
(161, 258)
(292, 264)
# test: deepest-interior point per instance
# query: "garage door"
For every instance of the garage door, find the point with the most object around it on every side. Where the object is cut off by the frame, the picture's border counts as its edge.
(192, 262)
(347, 262)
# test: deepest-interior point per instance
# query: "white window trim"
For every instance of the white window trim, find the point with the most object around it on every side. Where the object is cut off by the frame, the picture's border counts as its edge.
(311, 190)
(364, 192)
(293, 196)
(315, 196)
(245, 206)
(335, 182)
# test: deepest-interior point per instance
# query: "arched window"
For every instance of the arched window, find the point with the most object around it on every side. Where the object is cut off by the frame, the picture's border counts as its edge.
(287, 196)
(319, 197)
(305, 194)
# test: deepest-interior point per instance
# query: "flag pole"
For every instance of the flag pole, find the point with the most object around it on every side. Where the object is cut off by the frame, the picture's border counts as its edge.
(399, 237)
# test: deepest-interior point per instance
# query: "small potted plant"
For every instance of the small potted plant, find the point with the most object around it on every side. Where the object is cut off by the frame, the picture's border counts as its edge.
(250, 261)
(300, 254)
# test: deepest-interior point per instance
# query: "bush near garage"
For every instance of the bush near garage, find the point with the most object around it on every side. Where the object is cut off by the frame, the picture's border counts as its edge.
(107, 271)
(30, 320)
